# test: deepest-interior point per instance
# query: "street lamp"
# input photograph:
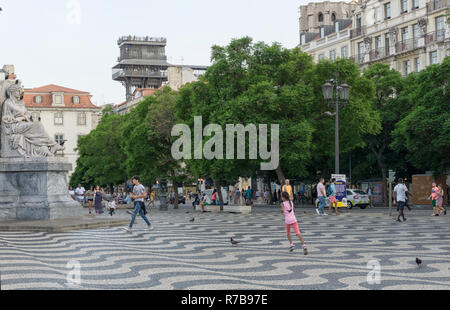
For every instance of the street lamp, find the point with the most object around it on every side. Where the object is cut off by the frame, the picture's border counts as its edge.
(331, 90)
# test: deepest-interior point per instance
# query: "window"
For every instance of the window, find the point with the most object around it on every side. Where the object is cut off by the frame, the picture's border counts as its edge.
(59, 139)
(37, 99)
(58, 99)
(387, 10)
(358, 21)
(416, 31)
(344, 53)
(361, 49)
(320, 17)
(405, 34)
(378, 16)
(36, 116)
(440, 27)
(417, 64)
(415, 4)
(433, 58)
(333, 17)
(404, 6)
(387, 43)
(377, 43)
(76, 100)
(81, 119)
(58, 118)
(407, 67)
(321, 56)
(332, 55)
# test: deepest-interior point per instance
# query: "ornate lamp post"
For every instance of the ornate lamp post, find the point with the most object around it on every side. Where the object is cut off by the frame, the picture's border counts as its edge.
(331, 90)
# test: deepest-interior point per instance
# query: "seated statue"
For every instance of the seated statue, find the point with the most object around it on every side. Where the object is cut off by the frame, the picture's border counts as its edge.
(20, 134)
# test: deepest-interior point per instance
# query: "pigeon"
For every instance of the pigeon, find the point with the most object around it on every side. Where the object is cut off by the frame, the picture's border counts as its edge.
(192, 220)
(418, 262)
(233, 242)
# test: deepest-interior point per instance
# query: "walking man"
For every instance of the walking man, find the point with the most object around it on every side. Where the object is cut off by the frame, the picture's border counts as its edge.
(321, 195)
(400, 192)
(139, 193)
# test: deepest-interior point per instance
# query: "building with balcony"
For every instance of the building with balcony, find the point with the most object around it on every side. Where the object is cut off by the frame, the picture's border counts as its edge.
(325, 29)
(142, 63)
(409, 35)
(66, 114)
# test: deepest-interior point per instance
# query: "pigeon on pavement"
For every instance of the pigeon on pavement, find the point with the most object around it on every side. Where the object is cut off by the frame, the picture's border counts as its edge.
(418, 262)
(233, 242)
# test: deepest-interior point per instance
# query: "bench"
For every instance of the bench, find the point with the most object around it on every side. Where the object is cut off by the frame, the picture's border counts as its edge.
(214, 209)
(238, 209)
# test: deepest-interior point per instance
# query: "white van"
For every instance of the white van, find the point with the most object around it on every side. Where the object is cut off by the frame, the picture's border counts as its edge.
(209, 193)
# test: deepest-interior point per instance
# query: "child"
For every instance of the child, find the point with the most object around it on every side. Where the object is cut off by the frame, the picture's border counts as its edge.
(287, 208)
(112, 207)
(433, 197)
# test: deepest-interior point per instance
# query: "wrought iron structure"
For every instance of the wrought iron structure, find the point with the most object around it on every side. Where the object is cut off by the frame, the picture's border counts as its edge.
(142, 63)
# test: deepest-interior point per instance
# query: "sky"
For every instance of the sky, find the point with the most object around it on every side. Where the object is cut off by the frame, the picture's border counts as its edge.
(73, 43)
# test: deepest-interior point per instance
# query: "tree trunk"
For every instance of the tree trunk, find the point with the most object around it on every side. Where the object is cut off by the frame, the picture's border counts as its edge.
(270, 189)
(219, 192)
(280, 175)
(382, 166)
(175, 189)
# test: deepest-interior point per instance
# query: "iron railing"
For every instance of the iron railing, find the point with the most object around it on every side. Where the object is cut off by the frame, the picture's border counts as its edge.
(434, 5)
(407, 45)
(435, 36)
(358, 32)
(138, 73)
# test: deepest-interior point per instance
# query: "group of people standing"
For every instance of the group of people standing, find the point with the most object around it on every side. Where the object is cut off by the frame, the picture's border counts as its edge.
(94, 197)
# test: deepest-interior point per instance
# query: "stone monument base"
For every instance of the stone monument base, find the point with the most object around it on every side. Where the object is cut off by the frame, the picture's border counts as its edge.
(36, 189)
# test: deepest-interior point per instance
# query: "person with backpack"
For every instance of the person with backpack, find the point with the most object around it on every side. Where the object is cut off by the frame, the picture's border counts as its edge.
(331, 192)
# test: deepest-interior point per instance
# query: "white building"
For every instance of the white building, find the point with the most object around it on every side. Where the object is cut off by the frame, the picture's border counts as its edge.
(65, 113)
(409, 35)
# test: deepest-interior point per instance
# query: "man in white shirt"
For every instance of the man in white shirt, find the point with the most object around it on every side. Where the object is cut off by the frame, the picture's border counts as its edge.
(400, 197)
(321, 195)
(79, 193)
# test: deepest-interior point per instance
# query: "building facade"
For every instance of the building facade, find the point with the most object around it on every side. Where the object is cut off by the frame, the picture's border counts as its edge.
(325, 29)
(138, 95)
(408, 35)
(65, 113)
(180, 75)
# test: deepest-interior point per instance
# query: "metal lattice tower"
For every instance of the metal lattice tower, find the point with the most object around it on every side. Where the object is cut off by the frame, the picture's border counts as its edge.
(142, 63)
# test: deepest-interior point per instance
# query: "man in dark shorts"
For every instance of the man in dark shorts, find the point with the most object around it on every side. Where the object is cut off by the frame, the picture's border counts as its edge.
(400, 196)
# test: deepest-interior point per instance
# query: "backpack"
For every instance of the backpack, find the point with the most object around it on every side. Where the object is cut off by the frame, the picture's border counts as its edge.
(329, 190)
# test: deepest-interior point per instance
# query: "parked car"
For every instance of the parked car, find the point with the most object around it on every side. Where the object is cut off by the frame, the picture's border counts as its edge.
(357, 198)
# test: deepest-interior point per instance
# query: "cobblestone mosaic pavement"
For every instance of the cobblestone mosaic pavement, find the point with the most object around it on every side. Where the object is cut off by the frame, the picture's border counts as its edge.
(182, 255)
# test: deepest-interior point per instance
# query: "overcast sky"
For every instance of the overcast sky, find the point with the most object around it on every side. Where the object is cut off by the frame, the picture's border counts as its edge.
(54, 42)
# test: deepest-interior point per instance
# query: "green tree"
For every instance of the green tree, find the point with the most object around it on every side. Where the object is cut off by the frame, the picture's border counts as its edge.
(147, 140)
(424, 132)
(101, 160)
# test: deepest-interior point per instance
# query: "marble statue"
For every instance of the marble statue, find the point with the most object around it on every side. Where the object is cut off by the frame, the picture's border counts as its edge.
(33, 181)
(20, 135)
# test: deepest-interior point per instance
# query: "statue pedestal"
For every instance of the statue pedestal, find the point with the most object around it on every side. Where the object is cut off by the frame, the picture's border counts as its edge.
(36, 189)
